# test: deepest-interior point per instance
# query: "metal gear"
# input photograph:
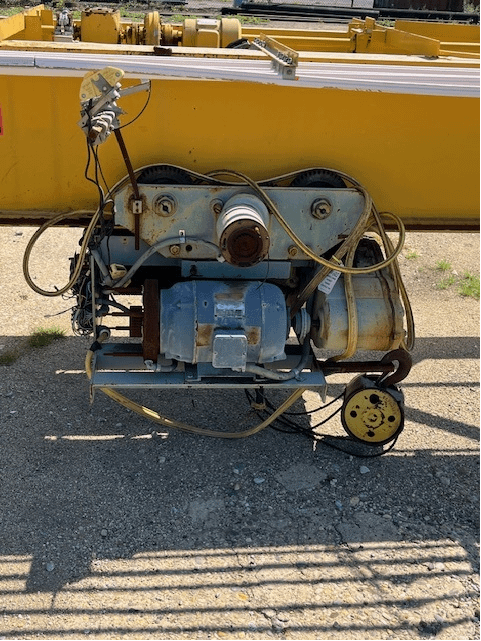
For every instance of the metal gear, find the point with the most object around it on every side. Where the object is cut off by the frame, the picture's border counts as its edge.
(318, 178)
(164, 175)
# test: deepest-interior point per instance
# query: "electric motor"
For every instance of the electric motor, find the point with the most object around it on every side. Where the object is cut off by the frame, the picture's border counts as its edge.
(378, 308)
(228, 324)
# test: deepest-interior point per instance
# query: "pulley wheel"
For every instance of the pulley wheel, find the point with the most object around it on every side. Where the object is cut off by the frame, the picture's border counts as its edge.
(164, 175)
(318, 178)
(372, 414)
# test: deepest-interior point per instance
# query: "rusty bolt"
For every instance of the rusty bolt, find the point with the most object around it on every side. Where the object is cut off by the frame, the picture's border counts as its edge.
(174, 250)
(292, 251)
(217, 206)
(321, 208)
(165, 205)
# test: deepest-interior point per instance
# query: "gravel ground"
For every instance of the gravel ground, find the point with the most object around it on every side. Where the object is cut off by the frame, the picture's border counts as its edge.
(113, 529)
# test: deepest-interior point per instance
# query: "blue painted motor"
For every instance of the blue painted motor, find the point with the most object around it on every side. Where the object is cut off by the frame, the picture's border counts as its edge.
(226, 323)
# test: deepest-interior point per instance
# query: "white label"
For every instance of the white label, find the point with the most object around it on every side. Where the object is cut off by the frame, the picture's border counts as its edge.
(229, 310)
(328, 283)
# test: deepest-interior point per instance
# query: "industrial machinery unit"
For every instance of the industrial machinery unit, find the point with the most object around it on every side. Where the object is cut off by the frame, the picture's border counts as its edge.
(247, 203)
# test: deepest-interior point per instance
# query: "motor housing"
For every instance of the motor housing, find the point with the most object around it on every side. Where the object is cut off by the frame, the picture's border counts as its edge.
(378, 306)
(228, 324)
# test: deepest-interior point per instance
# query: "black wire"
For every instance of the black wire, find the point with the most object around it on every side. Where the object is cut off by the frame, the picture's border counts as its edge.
(295, 428)
(341, 449)
(296, 425)
(90, 150)
(106, 226)
(327, 419)
(141, 111)
(318, 409)
(96, 155)
(97, 181)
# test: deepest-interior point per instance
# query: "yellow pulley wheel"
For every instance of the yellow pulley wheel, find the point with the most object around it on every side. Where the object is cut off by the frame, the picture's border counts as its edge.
(370, 413)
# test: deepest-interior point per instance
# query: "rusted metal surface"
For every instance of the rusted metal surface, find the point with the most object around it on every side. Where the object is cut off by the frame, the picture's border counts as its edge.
(397, 363)
(151, 323)
(205, 332)
(135, 322)
(133, 181)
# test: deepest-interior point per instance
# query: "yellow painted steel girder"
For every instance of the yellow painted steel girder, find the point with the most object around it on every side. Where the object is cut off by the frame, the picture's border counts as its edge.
(418, 155)
(361, 36)
(394, 143)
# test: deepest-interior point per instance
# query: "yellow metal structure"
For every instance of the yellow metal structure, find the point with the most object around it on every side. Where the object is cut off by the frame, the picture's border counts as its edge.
(36, 23)
(416, 153)
(370, 414)
(101, 25)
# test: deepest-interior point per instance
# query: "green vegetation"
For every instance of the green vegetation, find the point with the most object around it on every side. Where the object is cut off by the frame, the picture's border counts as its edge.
(38, 338)
(8, 358)
(43, 337)
(180, 17)
(469, 286)
(443, 265)
(248, 20)
(11, 11)
(132, 15)
(471, 7)
(411, 255)
(446, 282)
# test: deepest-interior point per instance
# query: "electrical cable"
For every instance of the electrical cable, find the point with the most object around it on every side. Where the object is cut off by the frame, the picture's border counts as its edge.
(142, 110)
(295, 428)
(171, 423)
(313, 427)
(82, 253)
(307, 250)
(329, 443)
(318, 409)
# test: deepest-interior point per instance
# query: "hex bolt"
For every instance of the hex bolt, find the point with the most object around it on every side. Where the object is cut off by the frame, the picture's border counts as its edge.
(165, 205)
(321, 208)
(174, 250)
(292, 251)
(216, 206)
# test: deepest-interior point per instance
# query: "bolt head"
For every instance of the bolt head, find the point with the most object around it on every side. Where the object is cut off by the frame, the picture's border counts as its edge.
(321, 208)
(165, 205)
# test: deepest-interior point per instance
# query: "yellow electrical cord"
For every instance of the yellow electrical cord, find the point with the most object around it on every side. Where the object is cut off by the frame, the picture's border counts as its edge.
(408, 342)
(361, 223)
(152, 415)
(80, 261)
(352, 324)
